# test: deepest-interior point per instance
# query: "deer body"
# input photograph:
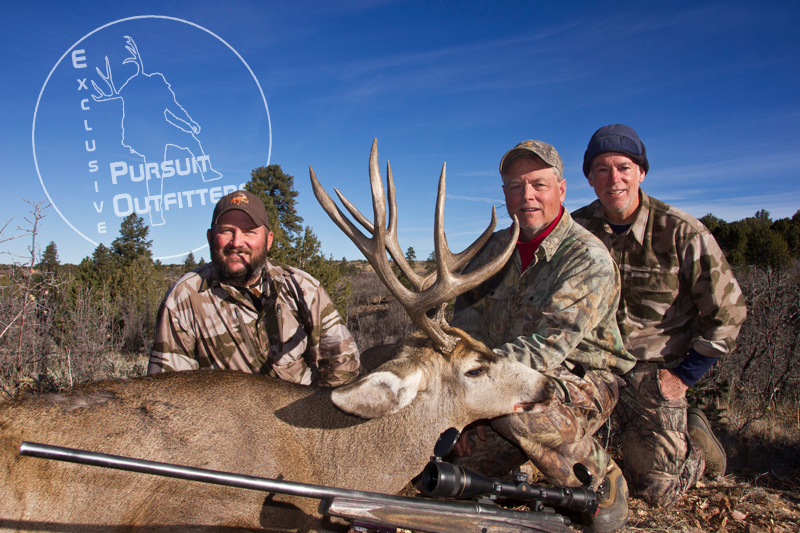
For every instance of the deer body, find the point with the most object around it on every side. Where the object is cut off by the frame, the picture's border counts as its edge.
(260, 426)
(246, 424)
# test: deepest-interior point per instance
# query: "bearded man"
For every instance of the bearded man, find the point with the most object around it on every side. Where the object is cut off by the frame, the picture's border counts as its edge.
(243, 312)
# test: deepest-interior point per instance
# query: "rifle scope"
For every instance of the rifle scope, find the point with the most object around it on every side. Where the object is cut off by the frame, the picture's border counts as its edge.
(447, 480)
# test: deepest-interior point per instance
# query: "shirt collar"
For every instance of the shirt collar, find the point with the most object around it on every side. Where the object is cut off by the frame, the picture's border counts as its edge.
(552, 242)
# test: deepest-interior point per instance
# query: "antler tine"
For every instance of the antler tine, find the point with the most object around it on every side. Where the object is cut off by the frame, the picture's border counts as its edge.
(388, 235)
(390, 241)
(359, 239)
(456, 261)
(374, 249)
(447, 284)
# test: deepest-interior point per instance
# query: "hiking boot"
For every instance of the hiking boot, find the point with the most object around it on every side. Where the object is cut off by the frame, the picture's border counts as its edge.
(612, 494)
(700, 431)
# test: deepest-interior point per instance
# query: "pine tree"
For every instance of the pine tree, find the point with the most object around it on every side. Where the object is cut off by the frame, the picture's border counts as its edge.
(101, 258)
(276, 190)
(190, 263)
(305, 249)
(411, 257)
(49, 259)
(430, 263)
(131, 243)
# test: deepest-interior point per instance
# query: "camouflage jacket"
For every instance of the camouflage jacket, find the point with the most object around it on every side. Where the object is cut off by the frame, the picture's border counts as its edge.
(297, 335)
(678, 291)
(559, 311)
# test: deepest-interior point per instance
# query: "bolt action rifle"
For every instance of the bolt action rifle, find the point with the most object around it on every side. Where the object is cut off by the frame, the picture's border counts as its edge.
(372, 510)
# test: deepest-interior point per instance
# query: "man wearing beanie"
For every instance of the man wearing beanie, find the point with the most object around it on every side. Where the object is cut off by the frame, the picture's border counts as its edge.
(680, 310)
(244, 312)
(553, 308)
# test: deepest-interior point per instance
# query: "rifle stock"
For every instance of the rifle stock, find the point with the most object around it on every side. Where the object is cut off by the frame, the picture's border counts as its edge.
(438, 516)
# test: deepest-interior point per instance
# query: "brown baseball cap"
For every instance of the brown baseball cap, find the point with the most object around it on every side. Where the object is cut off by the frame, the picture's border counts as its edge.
(244, 201)
(544, 151)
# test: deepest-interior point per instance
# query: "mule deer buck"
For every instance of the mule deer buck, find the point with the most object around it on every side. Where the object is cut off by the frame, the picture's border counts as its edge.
(376, 437)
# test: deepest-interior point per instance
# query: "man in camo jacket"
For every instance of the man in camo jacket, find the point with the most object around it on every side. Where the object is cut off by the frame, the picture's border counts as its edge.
(243, 312)
(552, 308)
(680, 311)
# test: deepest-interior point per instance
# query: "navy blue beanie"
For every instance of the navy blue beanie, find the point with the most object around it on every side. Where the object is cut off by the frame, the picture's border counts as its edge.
(615, 138)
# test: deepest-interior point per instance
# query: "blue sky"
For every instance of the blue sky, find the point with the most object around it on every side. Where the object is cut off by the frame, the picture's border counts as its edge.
(713, 88)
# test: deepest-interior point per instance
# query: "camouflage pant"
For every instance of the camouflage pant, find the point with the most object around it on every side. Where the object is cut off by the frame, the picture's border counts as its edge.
(554, 439)
(660, 461)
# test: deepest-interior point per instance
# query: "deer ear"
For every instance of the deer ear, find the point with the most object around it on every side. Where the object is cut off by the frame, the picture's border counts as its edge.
(378, 394)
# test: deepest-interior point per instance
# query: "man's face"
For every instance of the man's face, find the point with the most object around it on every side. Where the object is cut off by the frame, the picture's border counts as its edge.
(616, 178)
(534, 194)
(239, 248)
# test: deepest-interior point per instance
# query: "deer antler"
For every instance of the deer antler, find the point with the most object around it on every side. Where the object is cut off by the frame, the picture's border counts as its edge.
(447, 284)
(109, 81)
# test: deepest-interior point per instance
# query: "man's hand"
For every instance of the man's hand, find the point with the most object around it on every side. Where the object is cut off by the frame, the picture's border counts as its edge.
(462, 445)
(671, 385)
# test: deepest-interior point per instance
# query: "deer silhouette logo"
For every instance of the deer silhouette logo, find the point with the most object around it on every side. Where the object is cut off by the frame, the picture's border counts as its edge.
(152, 121)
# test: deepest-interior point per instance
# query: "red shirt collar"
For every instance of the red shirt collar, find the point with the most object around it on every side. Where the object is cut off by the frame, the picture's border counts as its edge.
(527, 249)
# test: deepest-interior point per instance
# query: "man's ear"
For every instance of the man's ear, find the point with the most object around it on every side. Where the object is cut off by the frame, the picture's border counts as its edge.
(270, 237)
(590, 180)
(208, 237)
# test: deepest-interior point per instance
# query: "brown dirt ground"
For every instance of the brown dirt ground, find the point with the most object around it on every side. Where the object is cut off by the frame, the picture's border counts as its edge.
(724, 505)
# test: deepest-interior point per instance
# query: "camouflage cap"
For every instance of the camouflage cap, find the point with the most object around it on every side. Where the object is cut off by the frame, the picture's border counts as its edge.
(615, 138)
(542, 150)
(244, 201)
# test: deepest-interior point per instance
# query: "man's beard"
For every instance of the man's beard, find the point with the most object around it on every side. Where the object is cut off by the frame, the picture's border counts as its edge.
(239, 278)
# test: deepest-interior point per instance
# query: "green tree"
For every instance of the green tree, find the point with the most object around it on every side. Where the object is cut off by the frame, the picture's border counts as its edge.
(767, 248)
(276, 189)
(190, 263)
(712, 223)
(430, 263)
(789, 228)
(49, 260)
(305, 248)
(136, 292)
(132, 242)
(411, 257)
(102, 259)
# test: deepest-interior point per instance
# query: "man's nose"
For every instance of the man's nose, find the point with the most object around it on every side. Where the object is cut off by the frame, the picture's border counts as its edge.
(527, 190)
(237, 239)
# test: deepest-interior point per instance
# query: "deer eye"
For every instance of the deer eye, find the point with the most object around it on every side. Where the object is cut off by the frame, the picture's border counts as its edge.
(476, 372)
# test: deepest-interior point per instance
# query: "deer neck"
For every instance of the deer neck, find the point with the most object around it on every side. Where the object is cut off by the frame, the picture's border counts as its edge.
(399, 441)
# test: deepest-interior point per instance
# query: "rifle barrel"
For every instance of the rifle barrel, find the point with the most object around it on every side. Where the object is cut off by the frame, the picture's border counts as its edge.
(118, 462)
(371, 505)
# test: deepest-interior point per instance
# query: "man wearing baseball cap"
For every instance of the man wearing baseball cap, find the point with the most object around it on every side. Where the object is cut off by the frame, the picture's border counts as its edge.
(680, 311)
(553, 308)
(243, 312)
